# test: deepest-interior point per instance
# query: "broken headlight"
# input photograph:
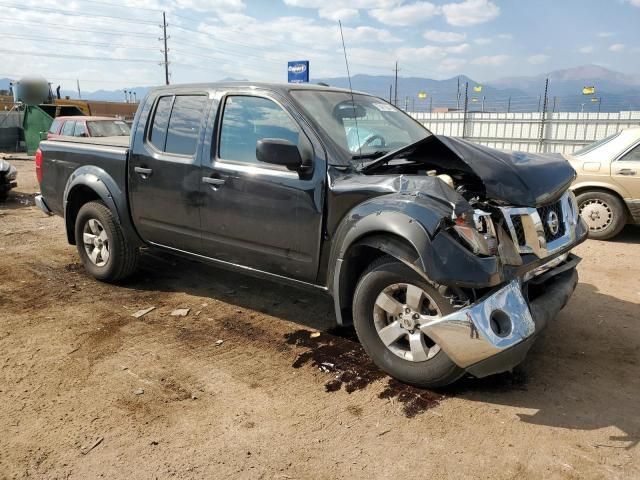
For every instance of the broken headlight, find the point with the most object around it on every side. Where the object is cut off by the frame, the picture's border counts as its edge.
(476, 229)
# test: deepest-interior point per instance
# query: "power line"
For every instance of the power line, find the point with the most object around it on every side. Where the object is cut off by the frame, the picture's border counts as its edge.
(77, 57)
(86, 30)
(75, 42)
(75, 14)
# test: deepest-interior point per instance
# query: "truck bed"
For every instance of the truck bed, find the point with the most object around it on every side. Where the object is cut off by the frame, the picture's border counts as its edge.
(121, 141)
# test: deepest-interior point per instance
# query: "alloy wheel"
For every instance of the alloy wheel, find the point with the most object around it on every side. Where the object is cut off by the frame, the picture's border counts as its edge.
(96, 242)
(399, 311)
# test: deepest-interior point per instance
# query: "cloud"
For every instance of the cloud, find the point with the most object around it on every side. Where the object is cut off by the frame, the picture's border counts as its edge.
(444, 37)
(490, 60)
(483, 41)
(616, 47)
(635, 3)
(342, 14)
(463, 47)
(470, 12)
(451, 64)
(586, 49)
(605, 34)
(504, 36)
(403, 15)
(537, 59)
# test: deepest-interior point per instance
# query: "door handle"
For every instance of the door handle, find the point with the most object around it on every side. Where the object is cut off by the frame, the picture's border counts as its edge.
(213, 181)
(143, 172)
(626, 171)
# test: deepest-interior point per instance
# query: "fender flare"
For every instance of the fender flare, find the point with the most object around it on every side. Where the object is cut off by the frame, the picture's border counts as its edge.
(107, 189)
(391, 231)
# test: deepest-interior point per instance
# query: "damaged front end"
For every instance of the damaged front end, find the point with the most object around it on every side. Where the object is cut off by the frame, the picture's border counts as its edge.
(503, 250)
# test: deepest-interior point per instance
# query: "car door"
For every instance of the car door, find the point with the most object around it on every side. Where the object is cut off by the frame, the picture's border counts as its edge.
(255, 214)
(625, 170)
(164, 170)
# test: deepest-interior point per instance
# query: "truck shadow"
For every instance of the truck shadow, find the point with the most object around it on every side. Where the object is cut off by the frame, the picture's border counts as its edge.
(581, 373)
(629, 234)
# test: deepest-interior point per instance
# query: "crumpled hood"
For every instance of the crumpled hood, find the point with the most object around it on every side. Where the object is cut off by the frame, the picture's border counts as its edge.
(517, 178)
(513, 178)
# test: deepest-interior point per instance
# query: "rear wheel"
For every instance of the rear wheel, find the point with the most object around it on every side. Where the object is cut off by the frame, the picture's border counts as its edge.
(101, 244)
(604, 214)
(390, 303)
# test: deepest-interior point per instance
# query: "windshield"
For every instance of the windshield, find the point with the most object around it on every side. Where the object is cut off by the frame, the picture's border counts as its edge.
(108, 128)
(594, 145)
(369, 128)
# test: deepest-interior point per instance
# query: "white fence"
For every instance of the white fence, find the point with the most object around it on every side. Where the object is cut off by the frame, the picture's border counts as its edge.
(560, 132)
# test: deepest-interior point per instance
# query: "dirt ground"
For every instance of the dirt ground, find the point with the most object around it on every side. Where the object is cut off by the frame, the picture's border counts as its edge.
(89, 391)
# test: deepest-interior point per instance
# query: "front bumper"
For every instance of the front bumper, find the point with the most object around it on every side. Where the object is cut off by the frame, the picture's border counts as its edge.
(494, 334)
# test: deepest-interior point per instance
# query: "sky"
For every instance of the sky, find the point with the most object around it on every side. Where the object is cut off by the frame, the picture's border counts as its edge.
(110, 44)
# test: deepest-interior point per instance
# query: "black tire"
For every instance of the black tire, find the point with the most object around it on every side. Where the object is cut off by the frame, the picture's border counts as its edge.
(610, 203)
(123, 257)
(435, 372)
(4, 194)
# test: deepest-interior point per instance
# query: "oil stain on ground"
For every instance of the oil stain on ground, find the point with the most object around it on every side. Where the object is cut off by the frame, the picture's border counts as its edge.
(352, 370)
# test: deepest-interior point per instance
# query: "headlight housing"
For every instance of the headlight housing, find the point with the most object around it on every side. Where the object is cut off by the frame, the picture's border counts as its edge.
(476, 229)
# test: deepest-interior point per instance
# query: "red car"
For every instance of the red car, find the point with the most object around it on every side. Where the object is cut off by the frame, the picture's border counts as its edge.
(81, 126)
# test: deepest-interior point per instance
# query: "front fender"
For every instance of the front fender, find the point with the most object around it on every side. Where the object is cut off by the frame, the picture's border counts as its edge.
(398, 224)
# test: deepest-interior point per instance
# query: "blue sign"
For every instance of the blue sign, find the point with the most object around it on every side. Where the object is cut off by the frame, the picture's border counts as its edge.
(298, 72)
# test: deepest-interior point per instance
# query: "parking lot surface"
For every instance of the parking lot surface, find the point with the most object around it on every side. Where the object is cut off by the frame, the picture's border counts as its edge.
(240, 387)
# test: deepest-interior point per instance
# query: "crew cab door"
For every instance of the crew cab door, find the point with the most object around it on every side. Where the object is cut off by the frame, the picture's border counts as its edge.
(260, 215)
(625, 170)
(164, 170)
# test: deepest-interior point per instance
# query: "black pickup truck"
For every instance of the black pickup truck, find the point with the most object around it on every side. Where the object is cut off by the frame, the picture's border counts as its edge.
(446, 256)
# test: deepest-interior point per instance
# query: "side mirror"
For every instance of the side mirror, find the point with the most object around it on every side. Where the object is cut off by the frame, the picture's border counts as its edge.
(43, 135)
(278, 151)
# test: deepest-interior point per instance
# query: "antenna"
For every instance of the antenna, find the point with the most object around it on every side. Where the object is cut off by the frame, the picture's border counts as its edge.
(353, 102)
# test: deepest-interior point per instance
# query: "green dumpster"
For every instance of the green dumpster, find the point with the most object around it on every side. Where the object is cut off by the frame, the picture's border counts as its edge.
(36, 121)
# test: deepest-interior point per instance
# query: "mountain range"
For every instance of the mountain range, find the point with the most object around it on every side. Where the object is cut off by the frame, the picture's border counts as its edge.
(615, 91)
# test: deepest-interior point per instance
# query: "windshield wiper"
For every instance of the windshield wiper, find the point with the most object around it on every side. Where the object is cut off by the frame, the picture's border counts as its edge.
(375, 154)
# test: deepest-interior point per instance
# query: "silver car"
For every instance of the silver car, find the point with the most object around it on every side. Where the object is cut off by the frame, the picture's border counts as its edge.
(608, 183)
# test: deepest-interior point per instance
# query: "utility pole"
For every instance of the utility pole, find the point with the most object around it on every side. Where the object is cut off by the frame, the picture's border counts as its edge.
(395, 97)
(544, 114)
(483, 103)
(466, 104)
(553, 110)
(78, 84)
(390, 93)
(165, 51)
(509, 105)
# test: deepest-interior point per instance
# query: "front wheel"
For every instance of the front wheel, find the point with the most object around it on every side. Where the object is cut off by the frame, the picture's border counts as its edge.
(604, 214)
(101, 244)
(390, 302)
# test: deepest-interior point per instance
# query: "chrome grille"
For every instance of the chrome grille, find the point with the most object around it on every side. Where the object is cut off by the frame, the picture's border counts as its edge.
(533, 230)
(544, 213)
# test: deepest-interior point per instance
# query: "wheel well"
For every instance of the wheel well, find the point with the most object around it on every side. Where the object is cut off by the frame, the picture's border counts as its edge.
(584, 189)
(76, 199)
(357, 259)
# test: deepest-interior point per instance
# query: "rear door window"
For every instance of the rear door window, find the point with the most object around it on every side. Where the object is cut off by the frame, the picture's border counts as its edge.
(632, 156)
(158, 134)
(69, 127)
(184, 124)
